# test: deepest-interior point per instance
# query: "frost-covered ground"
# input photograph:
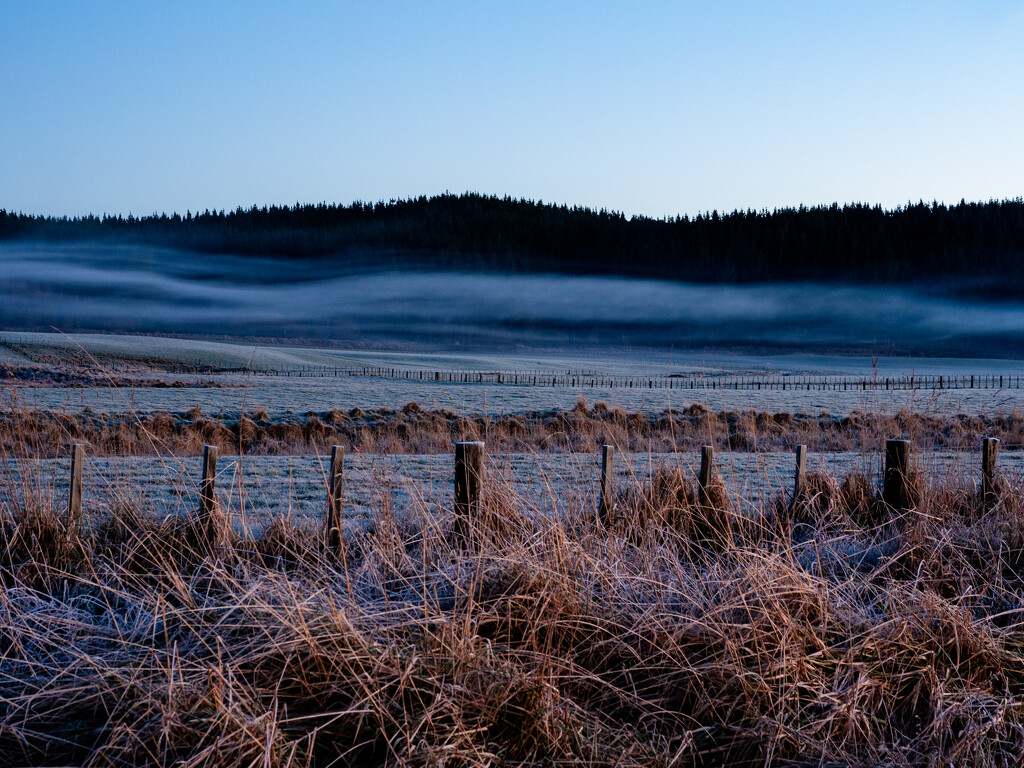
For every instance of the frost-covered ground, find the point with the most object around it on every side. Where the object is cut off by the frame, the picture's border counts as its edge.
(282, 396)
(257, 488)
(288, 396)
(615, 359)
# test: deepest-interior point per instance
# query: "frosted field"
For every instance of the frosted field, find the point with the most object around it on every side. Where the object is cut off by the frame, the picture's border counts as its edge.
(255, 489)
(619, 359)
(284, 397)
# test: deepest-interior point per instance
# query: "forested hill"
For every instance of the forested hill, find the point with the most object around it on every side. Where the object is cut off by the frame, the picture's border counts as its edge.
(854, 242)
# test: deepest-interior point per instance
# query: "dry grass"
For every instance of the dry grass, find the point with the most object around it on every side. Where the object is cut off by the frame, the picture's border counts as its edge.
(414, 430)
(833, 632)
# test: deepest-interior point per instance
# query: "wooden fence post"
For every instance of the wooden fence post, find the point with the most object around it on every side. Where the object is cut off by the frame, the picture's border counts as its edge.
(335, 497)
(469, 482)
(74, 521)
(801, 473)
(989, 453)
(896, 484)
(607, 503)
(207, 497)
(707, 459)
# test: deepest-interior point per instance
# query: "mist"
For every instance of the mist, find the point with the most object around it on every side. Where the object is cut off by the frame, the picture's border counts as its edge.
(133, 289)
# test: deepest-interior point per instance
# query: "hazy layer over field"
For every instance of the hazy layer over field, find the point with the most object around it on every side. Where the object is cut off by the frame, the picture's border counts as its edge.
(135, 289)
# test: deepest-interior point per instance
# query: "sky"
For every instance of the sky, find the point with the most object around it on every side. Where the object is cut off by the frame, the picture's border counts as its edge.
(643, 107)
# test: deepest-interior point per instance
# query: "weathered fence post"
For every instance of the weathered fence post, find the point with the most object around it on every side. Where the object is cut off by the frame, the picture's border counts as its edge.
(335, 498)
(74, 521)
(207, 497)
(989, 453)
(800, 474)
(469, 482)
(607, 502)
(707, 459)
(896, 484)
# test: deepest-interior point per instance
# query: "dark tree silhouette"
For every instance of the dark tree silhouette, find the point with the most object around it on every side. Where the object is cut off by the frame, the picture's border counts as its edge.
(983, 241)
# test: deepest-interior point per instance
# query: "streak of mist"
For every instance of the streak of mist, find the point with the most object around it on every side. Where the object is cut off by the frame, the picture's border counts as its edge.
(143, 290)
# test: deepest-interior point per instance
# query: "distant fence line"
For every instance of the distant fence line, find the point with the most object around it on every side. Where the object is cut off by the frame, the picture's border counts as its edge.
(591, 380)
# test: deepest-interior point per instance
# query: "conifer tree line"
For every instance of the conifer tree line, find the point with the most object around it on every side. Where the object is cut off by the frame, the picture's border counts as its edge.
(857, 242)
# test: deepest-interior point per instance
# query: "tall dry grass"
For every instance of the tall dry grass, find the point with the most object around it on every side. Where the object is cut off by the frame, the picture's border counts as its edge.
(412, 429)
(833, 631)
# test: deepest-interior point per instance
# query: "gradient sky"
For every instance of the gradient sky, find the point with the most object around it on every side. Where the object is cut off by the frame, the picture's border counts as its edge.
(654, 108)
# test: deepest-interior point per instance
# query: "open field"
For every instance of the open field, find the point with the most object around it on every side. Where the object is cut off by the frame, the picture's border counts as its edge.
(120, 374)
(283, 397)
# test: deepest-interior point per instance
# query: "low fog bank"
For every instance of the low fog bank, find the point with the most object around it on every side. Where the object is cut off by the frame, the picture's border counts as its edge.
(130, 289)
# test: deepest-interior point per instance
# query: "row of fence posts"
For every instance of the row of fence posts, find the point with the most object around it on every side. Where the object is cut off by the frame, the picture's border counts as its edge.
(583, 380)
(470, 481)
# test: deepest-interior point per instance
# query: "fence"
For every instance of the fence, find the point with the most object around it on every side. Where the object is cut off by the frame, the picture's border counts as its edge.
(470, 483)
(593, 380)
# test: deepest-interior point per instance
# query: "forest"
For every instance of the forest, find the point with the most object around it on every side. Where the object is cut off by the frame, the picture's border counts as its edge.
(979, 244)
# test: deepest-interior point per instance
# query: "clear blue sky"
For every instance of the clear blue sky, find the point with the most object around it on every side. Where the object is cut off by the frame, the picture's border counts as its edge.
(655, 108)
